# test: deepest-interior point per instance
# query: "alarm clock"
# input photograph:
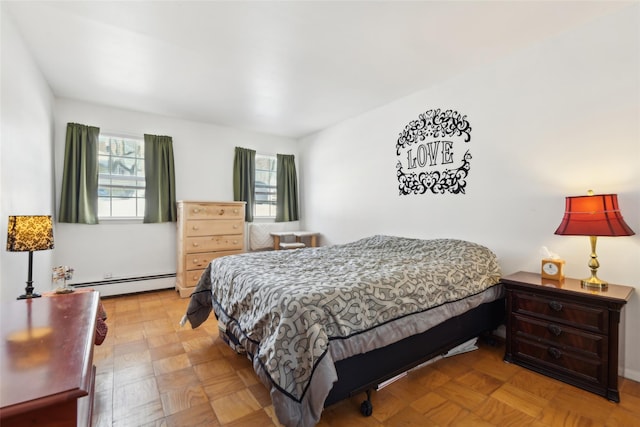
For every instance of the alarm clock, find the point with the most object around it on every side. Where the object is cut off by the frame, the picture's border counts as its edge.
(552, 269)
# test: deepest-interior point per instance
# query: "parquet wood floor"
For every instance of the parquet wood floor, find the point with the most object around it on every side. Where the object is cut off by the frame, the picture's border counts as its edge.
(152, 372)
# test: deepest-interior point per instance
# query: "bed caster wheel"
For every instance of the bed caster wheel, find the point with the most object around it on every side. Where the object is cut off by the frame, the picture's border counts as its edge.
(366, 408)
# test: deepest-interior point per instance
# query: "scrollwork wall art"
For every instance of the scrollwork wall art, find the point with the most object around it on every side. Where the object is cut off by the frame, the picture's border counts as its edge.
(431, 156)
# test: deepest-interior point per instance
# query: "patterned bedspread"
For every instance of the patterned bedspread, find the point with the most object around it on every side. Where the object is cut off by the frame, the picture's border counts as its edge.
(287, 307)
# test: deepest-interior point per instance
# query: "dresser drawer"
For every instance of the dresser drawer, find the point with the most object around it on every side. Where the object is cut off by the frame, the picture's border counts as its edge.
(213, 211)
(559, 335)
(562, 361)
(201, 260)
(213, 243)
(561, 310)
(213, 227)
(198, 261)
(192, 277)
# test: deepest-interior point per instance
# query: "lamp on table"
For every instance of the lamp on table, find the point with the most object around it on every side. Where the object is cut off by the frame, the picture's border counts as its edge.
(29, 233)
(593, 216)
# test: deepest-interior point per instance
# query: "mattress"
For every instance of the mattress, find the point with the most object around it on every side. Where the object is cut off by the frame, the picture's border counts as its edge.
(298, 312)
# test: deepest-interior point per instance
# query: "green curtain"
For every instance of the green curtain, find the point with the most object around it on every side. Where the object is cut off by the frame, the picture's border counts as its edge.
(159, 173)
(79, 196)
(244, 179)
(287, 189)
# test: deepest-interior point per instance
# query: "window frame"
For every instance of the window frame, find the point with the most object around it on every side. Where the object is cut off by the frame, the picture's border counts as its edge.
(271, 193)
(138, 189)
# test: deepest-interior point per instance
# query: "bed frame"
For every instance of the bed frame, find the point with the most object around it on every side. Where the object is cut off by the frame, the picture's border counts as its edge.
(364, 372)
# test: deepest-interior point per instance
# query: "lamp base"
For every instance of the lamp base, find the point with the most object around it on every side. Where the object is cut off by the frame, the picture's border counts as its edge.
(594, 283)
(28, 291)
(28, 296)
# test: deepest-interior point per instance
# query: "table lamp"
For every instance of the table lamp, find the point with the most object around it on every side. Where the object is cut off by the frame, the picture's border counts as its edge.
(29, 233)
(593, 216)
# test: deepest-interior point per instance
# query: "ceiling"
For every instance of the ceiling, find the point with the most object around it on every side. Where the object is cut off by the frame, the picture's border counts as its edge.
(276, 67)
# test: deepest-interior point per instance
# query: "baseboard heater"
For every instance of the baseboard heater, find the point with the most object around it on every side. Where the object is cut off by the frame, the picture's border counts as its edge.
(125, 285)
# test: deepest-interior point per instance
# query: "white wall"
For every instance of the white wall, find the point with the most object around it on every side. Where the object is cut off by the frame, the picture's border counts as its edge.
(26, 152)
(552, 121)
(203, 155)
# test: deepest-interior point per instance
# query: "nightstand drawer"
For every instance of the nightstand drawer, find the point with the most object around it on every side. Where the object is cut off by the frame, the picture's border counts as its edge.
(561, 310)
(562, 361)
(559, 335)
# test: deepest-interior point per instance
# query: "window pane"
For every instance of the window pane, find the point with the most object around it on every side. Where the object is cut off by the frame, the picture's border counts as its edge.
(140, 206)
(104, 206)
(121, 177)
(123, 207)
(265, 189)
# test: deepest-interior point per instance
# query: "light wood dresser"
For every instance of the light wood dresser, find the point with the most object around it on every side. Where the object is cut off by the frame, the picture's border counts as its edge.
(206, 230)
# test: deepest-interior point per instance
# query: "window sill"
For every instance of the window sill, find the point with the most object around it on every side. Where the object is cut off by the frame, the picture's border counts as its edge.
(131, 220)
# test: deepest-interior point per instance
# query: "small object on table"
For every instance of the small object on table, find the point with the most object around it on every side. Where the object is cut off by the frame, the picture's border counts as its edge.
(64, 273)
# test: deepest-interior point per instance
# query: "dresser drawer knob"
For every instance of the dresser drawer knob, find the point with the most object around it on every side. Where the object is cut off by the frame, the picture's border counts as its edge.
(195, 227)
(195, 261)
(555, 353)
(235, 225)
(195, 244)
(221, 212)
(196, 210)
(555, 330)
(555, 306)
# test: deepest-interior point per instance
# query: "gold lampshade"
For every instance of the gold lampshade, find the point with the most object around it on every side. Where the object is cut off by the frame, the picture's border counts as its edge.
(28, 233)
(593, 216)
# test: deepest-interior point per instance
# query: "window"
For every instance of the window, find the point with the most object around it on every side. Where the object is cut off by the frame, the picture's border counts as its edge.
(265, 190)
(121, 181)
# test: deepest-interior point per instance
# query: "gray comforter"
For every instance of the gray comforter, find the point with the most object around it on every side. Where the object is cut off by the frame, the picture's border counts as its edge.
(296, 312)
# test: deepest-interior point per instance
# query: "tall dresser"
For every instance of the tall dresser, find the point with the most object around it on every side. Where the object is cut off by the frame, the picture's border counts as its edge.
(206, 230)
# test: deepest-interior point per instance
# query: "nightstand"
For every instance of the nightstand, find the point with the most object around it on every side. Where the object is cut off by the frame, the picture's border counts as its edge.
(564, 331)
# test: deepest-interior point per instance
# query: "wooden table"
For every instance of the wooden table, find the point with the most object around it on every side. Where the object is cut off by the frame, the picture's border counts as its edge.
(46, 360)
(299, 235)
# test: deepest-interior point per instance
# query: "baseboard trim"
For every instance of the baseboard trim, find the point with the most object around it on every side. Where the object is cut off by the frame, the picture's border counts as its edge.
(631, 374)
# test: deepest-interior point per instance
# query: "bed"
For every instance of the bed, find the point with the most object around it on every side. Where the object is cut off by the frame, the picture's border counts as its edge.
(321, 324)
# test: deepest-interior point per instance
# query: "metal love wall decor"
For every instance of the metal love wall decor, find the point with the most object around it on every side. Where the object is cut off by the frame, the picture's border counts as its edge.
(431, 153)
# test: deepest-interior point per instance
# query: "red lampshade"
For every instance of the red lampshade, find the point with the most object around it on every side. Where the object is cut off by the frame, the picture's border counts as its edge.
(596, 215)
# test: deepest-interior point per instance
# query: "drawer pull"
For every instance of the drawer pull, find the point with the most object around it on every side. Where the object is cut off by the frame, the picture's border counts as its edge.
(555, 353)
(195, 244)
(195, 261)
(235, 225)
(235, 211)
(196, 210)
(555, 330)
(221, 212)
(195, 227)
(555, 306)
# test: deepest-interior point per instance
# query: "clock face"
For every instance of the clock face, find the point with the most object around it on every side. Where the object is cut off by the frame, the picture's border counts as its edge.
(550, 268)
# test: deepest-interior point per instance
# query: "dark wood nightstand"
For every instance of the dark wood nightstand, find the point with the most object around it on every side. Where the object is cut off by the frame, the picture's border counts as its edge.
(564, 331)
(47, 372)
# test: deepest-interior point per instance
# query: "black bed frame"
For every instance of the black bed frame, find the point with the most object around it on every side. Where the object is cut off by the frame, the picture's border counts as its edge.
(364, 372)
